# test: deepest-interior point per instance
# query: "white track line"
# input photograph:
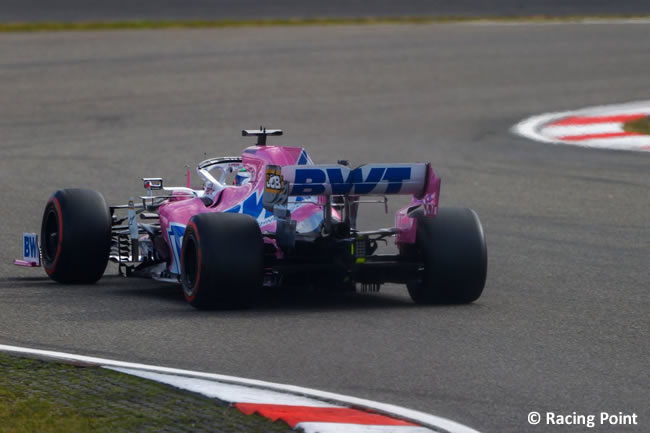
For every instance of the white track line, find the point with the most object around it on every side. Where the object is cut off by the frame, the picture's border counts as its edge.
(558, 22)
(328, 427)
(596, 128)
(226, 392)
(434, 422)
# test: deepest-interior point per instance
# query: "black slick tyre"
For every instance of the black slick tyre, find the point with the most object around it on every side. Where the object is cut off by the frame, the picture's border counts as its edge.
(222, 261)
(453, 250)
(76, 236)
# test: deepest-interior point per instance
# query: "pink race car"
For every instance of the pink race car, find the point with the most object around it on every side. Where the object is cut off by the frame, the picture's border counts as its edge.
(268, 218)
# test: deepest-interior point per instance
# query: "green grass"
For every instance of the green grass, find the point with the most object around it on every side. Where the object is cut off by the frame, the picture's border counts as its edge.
(189, 24)
(50, 397)
(19, 413)
(639, 126)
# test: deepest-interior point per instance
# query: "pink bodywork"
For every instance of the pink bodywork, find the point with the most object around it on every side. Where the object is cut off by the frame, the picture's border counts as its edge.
(242, 199)
(307, 211)
(25, 263)
(428, 200)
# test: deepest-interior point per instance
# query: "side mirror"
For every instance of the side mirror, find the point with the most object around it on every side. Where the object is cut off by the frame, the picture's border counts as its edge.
(152, 183)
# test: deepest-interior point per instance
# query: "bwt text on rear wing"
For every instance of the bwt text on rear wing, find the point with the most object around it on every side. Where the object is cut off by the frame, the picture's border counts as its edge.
(378, 179)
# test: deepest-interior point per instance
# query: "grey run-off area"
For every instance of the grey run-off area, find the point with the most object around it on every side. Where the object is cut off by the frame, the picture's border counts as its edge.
(563, 322)
(82, 10)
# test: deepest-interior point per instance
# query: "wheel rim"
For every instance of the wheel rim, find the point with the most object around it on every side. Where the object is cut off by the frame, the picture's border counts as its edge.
(190, 267)
(50, 236)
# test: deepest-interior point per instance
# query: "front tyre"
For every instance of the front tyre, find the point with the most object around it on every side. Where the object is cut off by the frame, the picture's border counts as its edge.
(222, 260)
(453, 250)
(76, 236)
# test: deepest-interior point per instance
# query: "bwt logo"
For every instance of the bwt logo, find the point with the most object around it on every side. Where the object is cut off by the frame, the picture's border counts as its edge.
(31, 247)
(341, 180)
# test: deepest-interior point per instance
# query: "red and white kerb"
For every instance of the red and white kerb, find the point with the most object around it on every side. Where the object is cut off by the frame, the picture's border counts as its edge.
(310, 410)
(599, 127)
(300, 412)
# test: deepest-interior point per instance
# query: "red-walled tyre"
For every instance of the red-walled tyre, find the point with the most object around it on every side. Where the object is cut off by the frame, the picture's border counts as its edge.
(453, 250)
(76, 236)
(222, 261)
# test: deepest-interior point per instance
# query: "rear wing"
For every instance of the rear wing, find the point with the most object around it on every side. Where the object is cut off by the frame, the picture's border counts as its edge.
(417, 179)
(337, 179)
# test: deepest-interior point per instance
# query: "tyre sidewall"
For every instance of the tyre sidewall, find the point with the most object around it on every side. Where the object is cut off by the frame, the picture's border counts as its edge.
(453, 249)
(84, 236)
(230, 260)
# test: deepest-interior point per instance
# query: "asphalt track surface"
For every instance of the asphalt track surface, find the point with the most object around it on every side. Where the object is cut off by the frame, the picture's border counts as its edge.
(563, 323)
(83, 10)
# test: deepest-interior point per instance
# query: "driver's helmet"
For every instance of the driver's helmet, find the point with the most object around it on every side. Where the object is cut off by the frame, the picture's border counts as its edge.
(242, 177)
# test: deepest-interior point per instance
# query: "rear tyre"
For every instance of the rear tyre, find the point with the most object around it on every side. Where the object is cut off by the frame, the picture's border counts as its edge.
(76, 236)
(222, 261)
(453, 250)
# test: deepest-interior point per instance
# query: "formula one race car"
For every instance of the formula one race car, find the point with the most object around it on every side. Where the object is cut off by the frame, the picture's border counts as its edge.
(268, 218)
